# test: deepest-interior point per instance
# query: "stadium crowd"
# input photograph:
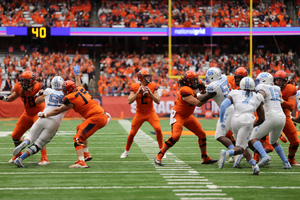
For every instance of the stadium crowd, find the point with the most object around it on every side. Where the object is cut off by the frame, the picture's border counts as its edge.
(71, 13)
(119, 71)
(193, 14)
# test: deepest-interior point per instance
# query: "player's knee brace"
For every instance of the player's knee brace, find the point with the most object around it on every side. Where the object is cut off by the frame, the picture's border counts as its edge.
(78, 143)
(202, 142)
(33, 149)
(294, 146)
(17, 142)
(170, 142)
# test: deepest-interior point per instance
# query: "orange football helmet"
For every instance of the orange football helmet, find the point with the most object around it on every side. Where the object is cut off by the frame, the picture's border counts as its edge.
(191, 79)
(144, 75)
(27, 79)
(68, 87)
(280, 78)
(239, 73)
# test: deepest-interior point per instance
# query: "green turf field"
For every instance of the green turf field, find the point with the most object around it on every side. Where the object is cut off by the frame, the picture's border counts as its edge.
(137, 177)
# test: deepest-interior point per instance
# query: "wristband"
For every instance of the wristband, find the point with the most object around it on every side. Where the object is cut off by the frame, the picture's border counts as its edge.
(5, 99)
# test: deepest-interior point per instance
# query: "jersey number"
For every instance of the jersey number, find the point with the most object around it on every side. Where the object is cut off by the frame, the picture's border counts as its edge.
(30, 100)
(248, 98)
(55, 99)
(83, 98)
(275, 94)
(225, 89)
(144, 102)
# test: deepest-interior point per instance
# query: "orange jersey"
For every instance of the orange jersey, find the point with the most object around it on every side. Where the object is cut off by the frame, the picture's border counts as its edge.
(144, 103)
(31, 108)
(289, 102)
(182, 107)
(83, 102)
(232, 84)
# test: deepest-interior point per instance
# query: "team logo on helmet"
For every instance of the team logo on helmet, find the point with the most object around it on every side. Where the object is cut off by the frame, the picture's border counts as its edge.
(68, 87)
(144, 75)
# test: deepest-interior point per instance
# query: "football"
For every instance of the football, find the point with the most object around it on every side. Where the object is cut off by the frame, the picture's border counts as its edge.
(144, 91)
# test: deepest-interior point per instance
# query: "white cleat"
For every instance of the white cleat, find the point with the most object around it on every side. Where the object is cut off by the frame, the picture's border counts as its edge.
(18, 162)
(19, 148)
(264, 160)
(231, 160)
(255, 169)
(238, 159)
(287, 165)
(124, 154)
(223, 157)
(165, 155)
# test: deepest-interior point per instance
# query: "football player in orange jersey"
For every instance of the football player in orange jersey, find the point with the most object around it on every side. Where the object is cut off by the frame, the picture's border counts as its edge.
(144, 108)
(288, 102)
(182, 115)
(26, 89)
(82, 102)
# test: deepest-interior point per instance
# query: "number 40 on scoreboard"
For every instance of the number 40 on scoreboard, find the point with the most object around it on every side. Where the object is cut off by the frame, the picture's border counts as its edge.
(40, 32)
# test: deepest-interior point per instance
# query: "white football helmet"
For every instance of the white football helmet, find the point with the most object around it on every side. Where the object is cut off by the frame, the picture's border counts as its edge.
(265, 78)
(298, 96)
(57, 83)
(213, 74)
(247, 83)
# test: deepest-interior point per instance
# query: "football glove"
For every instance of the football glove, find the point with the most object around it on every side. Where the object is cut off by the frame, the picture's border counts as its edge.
(42, 115)
(3, 98)
(76, 69)
(39, 94)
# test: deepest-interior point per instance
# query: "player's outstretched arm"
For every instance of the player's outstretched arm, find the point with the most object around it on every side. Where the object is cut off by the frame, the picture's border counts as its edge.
(56, 111)
(9, 98)
(76, 70)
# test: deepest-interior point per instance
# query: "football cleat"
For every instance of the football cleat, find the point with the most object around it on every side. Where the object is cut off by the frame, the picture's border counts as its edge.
(255, 169)
(264, 160)
(44, 161)
(231, 160)
(79, 164)
(124, 154)
(87, 156)
(208, 160)
(14, 158)
(238, 159)
(223, 156)
(18, 162)
(158, 158)
(286, 165)
(293, 162)
(19, 148)
(283, 139)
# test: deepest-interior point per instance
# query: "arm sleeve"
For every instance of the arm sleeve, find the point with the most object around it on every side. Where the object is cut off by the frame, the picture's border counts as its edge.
(289, 104)
(225, 104)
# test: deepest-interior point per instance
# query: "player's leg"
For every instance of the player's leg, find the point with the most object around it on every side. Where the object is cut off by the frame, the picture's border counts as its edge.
(136, 123)
(23, 124)
(155, 123)
(195, 126)
(176, 130)
(87, 128)
(291, 133)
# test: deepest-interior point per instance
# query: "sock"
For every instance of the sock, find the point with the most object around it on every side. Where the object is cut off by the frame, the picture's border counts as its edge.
(258, 146)
(24, 156)
(26, 141)
(44, 153)
(279, 151)
(252, 162)
(159, 139)
(129, 141)
(81, 158)
(202, 146)
(230, 147)
(231, 152)
(86, 149)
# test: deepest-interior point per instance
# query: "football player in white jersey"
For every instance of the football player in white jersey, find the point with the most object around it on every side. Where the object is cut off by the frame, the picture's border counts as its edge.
(297, 119)
(218, 89)
(245, 102)
(43, 129)
(274, 120)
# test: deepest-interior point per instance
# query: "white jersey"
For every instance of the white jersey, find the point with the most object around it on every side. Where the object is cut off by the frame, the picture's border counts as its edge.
(53, 99)
(245, 103)
(221, 88)
(298, 100)
(272, 99)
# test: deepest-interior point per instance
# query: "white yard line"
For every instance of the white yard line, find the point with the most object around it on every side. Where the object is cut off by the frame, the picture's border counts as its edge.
(150, 147)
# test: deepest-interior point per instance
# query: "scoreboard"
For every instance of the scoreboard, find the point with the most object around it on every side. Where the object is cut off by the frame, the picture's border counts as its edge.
(45, 32)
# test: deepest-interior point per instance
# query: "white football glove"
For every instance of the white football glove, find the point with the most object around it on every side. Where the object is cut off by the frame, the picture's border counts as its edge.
(76, 69)
(281, 100)
(3, 98)
(42, 115)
